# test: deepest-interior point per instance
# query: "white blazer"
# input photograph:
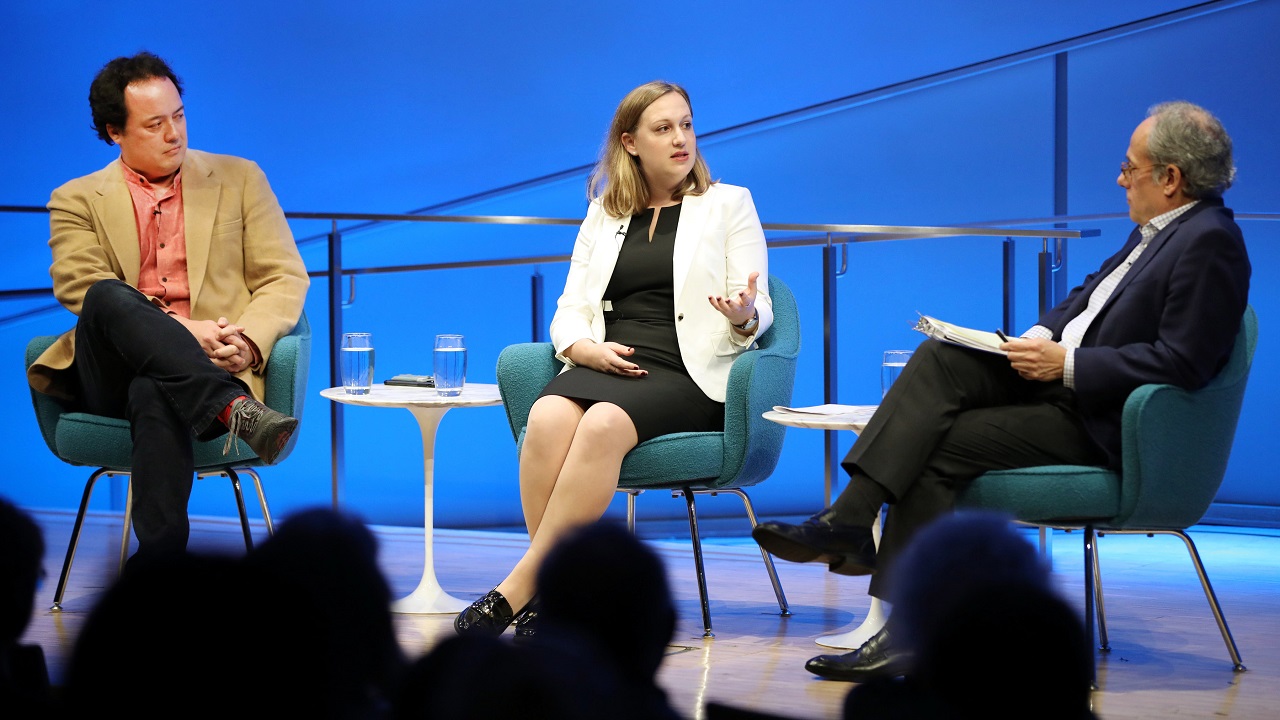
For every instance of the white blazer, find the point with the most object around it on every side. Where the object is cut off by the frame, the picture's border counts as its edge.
(719, 243)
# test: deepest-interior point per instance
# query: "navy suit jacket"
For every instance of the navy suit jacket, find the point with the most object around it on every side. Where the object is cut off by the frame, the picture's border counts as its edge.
(1173, 319)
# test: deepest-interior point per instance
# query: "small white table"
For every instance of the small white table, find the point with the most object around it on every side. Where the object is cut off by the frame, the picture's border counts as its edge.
(428, 408)
(841, 417)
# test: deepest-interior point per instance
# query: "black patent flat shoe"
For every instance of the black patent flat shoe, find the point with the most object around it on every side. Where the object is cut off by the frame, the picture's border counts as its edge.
(490, 615)
(527, 622)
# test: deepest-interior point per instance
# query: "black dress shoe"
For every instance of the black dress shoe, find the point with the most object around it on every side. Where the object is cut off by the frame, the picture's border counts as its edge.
(875, 659)
(847, 549)
(527, 622)
(490, 615)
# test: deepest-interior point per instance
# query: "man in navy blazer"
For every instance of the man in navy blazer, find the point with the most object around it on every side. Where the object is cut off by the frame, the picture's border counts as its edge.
(1164, 309)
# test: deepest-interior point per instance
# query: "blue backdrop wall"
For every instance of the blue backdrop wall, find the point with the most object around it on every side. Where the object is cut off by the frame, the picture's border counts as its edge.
(393, 107)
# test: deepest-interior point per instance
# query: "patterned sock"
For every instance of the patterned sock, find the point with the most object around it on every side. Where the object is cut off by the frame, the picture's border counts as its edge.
(225, 415)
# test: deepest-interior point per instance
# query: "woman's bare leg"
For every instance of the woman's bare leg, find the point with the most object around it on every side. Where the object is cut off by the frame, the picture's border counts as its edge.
(582, 491)
(553, 421)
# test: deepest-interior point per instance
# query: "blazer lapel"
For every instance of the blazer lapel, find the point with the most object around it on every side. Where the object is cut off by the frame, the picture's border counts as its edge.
(200, 192)
(114, 208)
(693, 216)
(1153, 248)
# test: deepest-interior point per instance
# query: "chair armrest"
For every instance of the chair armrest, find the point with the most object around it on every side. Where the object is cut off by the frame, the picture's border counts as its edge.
(758, 380)
(287, 370)
(47, 407)
(523, 370)
(1177, 444)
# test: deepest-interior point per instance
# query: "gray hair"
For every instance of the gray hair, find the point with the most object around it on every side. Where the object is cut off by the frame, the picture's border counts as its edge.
(1190, 137)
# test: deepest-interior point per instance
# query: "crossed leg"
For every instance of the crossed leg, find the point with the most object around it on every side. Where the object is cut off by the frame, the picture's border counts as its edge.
(569, 468)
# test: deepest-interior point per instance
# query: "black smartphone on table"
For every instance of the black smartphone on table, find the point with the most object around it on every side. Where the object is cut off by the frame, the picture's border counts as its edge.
(411, 381)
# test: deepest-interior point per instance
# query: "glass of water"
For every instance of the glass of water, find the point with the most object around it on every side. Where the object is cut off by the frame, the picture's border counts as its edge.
(450, 365)
(357, 363)
(891, 368)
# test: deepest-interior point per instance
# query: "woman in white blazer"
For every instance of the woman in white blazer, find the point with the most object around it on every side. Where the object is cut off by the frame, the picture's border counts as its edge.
(666, 286)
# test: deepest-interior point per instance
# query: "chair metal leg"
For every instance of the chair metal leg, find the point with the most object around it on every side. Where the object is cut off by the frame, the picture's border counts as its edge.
(631, 509)
(75, 538)
(783, 607)
(1104, 643)
(128, 520)
(1046, 545)
(1236, 663)
(697, 560)
(262, 499)
(1089, 541)
(244, 515)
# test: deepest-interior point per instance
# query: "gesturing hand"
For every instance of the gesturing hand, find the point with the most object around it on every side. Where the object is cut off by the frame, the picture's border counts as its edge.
(606, 357)
(737, 308)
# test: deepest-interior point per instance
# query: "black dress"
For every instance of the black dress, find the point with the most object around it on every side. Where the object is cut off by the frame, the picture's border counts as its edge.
(642, 294)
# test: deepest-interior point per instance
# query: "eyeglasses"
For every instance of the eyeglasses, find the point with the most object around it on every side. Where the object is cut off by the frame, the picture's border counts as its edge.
(1127, 169)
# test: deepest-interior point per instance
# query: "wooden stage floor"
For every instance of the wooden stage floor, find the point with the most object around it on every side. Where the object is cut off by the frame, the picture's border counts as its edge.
(1167, 657)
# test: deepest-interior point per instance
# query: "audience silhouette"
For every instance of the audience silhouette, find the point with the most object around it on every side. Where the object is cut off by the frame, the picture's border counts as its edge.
(976, 611)
(300, 627)
(329, 559)
(24, 677)
(478, 677)
(605, 618)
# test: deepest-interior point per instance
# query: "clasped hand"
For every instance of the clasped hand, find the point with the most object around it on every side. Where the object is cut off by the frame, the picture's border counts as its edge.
(1036, 358)
(738, 308)
(222, 341)
(605, 357)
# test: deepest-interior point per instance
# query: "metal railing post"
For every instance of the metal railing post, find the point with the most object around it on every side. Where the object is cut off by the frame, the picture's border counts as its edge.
(1010, 317)
(337, 456)
(830, 365)
(536, 295)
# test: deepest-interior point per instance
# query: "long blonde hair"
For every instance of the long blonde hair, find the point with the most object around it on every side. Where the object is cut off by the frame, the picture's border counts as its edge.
(617, 179)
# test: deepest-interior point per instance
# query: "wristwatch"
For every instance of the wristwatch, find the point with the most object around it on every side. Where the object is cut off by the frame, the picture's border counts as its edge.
(750, 325)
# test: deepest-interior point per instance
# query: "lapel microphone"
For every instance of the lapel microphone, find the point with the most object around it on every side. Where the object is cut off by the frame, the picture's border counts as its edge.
(622, 230)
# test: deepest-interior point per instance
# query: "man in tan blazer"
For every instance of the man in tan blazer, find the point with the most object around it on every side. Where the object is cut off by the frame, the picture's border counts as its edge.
(184, 274)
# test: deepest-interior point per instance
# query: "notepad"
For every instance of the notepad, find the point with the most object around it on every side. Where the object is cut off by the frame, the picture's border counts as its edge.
(956, 335)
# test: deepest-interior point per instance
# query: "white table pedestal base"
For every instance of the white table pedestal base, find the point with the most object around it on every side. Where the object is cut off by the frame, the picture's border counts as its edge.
(429, 597)
(427, 407)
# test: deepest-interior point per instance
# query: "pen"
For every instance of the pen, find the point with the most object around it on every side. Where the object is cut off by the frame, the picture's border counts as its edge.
(1000, 334)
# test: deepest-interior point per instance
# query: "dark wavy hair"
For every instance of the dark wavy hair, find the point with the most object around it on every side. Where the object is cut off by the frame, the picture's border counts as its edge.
(106, 94)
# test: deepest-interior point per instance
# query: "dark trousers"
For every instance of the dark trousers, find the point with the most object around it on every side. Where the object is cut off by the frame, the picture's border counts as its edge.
(952, 415)
(135, 362)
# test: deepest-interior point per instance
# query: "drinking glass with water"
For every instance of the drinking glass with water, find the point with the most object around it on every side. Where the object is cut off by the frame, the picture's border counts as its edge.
(450, 365)
(891, 368)
(357, 363)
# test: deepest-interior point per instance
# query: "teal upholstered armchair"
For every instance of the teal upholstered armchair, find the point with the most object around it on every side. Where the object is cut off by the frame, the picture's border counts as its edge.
(102, 442)
(1175, 445)
(691, 463)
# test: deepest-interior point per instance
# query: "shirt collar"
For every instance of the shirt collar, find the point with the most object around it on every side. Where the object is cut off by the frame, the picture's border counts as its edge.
(1160, 222)
(133, 177)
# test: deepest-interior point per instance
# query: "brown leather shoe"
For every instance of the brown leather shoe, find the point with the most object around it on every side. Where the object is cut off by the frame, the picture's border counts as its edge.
(264, 430)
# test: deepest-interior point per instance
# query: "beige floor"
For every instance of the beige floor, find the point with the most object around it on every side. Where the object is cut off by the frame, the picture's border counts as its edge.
(1168, 658)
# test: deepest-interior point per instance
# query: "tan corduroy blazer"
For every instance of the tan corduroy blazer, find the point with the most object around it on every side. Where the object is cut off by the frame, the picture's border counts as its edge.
(242, 261)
